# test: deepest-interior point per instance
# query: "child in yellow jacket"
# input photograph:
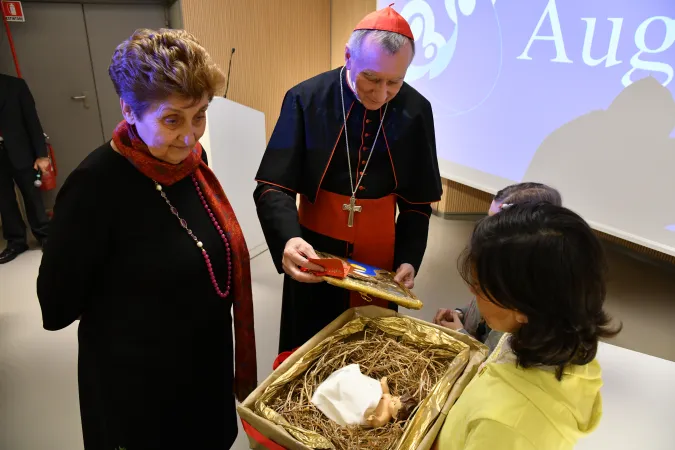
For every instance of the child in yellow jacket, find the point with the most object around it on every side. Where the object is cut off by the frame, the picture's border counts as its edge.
(468, 319)
(538, 273)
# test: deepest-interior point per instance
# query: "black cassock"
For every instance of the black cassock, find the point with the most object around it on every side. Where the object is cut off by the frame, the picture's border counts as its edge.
(303, 158)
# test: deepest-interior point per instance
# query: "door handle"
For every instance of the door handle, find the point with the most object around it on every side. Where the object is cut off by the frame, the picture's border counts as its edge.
(81, 98)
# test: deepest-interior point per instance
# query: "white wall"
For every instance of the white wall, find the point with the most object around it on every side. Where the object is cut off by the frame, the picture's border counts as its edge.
(235, 143)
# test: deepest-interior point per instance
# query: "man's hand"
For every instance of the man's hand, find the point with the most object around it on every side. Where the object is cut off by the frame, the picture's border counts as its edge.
(449, 318)
(296, 255)
(406, 275)
(43, 164)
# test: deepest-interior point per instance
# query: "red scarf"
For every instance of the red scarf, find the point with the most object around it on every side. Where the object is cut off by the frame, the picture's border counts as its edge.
(134, 149)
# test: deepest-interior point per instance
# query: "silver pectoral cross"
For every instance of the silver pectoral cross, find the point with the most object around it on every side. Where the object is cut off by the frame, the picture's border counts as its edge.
(352, 208)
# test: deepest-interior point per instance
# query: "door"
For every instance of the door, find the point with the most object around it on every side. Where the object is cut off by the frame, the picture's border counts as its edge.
(64, 50)
(54, 58)
(108, 26)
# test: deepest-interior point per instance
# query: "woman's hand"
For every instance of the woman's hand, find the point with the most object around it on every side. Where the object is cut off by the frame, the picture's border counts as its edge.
(449, 318)
(406, 275)
(296, 256)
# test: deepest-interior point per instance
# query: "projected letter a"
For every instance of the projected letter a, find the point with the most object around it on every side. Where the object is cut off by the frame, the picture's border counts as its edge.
(551, 12)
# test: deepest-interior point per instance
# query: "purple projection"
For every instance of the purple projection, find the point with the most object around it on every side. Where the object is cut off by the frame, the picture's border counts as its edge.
(559, 91)
(503, 74)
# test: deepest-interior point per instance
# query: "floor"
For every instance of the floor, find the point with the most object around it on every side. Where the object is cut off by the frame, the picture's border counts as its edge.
(38, 385)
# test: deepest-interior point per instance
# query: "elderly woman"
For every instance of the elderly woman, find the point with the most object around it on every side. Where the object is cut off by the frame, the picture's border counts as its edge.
(147, 251)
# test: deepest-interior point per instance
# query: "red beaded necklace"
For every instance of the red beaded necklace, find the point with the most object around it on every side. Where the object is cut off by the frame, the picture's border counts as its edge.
(199, 243)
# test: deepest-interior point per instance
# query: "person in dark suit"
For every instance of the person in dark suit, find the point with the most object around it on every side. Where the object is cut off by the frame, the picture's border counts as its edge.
(22, 153)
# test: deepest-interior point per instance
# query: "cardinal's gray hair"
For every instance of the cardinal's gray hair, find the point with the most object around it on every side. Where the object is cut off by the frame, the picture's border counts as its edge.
(390, 41)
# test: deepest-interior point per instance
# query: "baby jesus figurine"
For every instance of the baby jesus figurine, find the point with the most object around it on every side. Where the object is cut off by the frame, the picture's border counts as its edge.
(387, 409)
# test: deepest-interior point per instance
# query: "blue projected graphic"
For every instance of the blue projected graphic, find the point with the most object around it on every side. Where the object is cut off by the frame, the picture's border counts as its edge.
(488, 67)
(578, 94)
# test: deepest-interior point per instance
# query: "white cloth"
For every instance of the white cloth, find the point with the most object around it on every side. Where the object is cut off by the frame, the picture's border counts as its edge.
(346, 395)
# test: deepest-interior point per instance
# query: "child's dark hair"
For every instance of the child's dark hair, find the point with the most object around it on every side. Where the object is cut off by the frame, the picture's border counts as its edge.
(529, 192)
(544, 261)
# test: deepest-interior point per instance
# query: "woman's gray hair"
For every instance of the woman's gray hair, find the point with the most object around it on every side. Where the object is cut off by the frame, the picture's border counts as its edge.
(390, 41)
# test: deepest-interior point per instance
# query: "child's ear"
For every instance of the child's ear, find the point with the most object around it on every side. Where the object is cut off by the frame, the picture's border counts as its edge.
(521, 318)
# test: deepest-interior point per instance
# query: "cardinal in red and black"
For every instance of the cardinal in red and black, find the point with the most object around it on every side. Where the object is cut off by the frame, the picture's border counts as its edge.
(356, 145)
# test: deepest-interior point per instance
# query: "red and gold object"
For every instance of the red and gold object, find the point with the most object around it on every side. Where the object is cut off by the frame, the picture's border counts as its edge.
(332, 267)
(372, 236)
(365, 281)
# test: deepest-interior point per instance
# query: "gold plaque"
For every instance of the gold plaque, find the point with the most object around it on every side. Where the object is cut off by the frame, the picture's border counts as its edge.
(371, 282)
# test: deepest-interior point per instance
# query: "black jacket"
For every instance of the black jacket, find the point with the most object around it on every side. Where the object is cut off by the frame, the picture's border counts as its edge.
(19, 123)
(303, 143)
(301, 158)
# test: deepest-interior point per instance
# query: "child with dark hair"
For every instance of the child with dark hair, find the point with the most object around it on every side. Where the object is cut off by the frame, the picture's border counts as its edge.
(525, 192)
(468, 320)
(538, 273)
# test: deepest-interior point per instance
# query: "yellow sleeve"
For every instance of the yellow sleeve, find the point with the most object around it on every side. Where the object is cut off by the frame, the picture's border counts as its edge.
(489, 434)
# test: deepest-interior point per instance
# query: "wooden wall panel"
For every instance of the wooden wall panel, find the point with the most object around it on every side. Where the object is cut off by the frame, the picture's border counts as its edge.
(344, 16)
(636, 248)
(278, 44)
(461, 199)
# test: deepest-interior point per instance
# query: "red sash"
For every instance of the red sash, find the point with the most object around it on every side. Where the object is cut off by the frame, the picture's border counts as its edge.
(373, 234)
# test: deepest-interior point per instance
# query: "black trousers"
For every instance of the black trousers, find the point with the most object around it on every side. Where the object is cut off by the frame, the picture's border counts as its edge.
(13, 226)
